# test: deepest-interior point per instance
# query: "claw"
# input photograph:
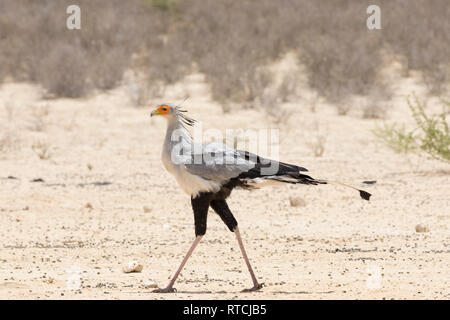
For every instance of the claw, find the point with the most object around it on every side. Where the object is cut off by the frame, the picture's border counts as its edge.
(255, 288)
(165, 290)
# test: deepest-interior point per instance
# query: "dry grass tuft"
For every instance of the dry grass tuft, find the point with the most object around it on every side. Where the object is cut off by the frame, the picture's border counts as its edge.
(42, 150)
(39, 119)
(319, 138)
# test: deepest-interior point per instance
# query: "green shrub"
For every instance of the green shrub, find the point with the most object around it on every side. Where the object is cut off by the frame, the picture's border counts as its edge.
(163, 5)
(430, 135)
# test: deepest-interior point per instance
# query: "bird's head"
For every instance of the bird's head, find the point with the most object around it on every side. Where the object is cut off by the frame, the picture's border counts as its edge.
(170, 111)
(165, 109)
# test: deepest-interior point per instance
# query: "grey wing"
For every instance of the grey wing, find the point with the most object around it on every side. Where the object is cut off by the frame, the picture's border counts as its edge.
(217, 162)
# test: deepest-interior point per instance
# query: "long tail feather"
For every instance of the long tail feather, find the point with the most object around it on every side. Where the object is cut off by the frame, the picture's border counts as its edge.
(287, 173)
(364, 194)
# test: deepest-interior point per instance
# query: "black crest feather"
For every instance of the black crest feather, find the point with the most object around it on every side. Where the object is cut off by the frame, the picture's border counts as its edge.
(184, 118)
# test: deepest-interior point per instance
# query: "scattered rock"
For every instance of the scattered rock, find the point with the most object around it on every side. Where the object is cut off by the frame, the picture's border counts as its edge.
(101, 183)
(150, 284)
(133, 266)
(297, 202)
(109, 285)
(89, 166)
(97, 184)
(49, 280)
(38, 180)
(89, 206)
(422, 228)
(147, 209)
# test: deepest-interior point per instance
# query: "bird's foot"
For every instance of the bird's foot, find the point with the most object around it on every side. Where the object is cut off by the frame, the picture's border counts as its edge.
(256, 287)
(165, 290)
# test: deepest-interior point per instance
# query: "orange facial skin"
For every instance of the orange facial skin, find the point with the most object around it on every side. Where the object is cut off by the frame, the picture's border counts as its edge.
(161, 111)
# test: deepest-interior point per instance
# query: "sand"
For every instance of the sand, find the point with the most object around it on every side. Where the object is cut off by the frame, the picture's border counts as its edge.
(102, 199)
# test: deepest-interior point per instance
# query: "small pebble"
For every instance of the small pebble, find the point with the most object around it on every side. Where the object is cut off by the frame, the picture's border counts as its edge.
(297, 202)
(150, 284)
(147, 209)
(422, 228)
(133, 266)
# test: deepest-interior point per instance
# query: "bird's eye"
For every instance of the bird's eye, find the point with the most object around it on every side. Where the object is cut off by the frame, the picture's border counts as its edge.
(164, 109)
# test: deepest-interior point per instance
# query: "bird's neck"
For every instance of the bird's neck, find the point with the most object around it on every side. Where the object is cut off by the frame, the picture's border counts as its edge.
(176, 132)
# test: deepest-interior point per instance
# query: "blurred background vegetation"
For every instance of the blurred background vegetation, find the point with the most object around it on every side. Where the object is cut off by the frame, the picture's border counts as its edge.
(230, 41)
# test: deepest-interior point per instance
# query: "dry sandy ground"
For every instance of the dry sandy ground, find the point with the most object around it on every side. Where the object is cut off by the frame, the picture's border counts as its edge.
(86, 218)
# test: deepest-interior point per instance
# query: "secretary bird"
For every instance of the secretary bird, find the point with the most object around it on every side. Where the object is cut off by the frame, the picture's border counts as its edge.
(209, 172)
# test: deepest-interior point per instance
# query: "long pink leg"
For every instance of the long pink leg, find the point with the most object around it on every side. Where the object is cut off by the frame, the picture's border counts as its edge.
(256, 285)
(169, 287)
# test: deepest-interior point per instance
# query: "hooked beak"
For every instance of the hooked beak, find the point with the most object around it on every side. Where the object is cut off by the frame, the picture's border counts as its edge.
(154, 113)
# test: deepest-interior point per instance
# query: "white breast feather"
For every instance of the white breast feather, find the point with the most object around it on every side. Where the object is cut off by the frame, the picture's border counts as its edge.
(191, 184)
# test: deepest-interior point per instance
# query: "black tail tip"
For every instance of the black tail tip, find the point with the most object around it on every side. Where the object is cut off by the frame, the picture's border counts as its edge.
(365, 195)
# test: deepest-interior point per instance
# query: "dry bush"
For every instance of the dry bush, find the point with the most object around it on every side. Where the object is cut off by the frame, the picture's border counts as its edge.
(376, 103)
(279, 116)
(230, 41)
(138, 92)
(343, 107)
(287, 90)
(420, 33)
(142, 90)
(271, 103)
(37, 45)
(374, 109)
(340, 54)
(342, 57)
(166, 63)
(110, 69)
(64, 72)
